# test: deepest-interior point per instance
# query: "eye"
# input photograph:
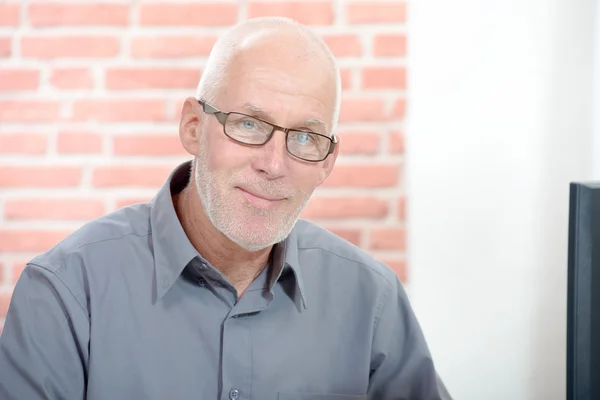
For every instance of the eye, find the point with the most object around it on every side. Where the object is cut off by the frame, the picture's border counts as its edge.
(248, 124)
(302, 138)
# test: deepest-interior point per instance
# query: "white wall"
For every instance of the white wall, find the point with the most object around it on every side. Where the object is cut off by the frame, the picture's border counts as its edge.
(499, 122)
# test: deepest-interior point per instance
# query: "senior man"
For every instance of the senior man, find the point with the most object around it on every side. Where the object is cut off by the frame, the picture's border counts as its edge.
(215, 289)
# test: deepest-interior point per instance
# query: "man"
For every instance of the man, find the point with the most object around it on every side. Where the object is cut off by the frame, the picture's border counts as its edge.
(215, 289)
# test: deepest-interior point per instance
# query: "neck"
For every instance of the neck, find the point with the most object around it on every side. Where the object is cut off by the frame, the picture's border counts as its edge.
(238, 265)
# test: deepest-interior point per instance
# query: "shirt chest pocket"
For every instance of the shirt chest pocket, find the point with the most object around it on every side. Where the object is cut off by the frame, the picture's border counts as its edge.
(316, 396)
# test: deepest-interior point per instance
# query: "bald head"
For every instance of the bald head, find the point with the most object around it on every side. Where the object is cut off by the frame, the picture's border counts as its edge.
(281, 46)
(256, 167)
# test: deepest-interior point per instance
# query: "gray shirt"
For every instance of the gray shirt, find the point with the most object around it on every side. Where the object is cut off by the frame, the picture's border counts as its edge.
(126, 308)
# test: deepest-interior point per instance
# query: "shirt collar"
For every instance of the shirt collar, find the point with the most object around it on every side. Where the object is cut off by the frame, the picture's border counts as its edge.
(285, 255)
(172, 248)
(173, 251)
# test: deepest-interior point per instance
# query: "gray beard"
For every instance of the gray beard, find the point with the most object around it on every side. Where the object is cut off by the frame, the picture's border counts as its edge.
(217, 211)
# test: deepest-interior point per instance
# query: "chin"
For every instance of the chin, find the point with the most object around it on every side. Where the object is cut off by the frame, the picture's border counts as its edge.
(255, 233)
(253, 247)
(252, 243)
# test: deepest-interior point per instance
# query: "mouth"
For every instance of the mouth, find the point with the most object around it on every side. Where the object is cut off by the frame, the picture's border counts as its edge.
(260, 200)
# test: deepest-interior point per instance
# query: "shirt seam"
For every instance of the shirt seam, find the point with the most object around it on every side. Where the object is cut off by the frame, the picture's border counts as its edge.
(350, 259)
(63, 264)
(379, 309)
(99, 241)
(85, 311)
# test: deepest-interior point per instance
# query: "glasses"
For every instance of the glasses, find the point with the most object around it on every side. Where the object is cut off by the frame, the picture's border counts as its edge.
(252, 131)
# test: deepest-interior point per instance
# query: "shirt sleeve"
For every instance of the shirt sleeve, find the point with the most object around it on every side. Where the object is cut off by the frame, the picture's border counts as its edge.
(44, 342)
(401, 364)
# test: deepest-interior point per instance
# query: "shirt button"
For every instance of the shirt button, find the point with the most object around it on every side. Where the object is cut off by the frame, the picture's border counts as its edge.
(201, 282)
(234, 394)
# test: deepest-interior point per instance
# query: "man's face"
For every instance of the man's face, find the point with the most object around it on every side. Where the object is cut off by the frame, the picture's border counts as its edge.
(254, 195)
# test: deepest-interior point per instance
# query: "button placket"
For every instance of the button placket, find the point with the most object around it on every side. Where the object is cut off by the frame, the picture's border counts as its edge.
(237, 360)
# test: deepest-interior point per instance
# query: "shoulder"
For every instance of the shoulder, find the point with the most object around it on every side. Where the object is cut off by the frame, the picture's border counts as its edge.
(333, 256)
(103, 236)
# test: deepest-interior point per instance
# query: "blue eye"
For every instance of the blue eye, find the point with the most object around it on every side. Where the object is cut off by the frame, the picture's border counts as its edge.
(302, 138)
(247, 124)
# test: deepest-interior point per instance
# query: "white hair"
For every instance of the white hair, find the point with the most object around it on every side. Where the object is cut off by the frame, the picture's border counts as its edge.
(225, 47)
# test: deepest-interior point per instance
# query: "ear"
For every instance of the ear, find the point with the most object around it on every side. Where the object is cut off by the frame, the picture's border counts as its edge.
(190, 124)
(329, 162)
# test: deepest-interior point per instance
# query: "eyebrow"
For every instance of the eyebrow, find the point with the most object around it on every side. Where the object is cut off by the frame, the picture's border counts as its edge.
(260, 113)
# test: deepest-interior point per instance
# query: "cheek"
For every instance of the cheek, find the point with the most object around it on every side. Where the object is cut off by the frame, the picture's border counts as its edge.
(306, 180)
(222, 155)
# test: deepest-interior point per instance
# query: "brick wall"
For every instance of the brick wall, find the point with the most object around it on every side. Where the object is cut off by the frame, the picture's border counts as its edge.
(90, 95)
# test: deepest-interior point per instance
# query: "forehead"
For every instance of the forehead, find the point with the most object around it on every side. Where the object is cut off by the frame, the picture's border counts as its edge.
(318, 124)
(287, 87)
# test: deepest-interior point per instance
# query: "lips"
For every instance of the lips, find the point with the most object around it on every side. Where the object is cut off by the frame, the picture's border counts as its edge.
(261, 196)
(261, 201)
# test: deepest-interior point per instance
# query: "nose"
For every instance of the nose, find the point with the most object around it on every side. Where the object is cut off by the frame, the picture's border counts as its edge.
(271, 157)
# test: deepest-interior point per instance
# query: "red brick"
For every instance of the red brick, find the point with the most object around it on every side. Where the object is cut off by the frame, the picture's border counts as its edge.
(5, 297)
(23, 143)
(115, 110)
(187, 14)
(361, 12)
(359, 142)
(389, 45)
(346, 78)
(152, 78)
(150, 176)
(305, 12)
(17, 270)
(49, 47)
(396, 142)
(399, 108)
(365, 175)
(11, 273)
(41, 14)
(148, 145)
(384, 78)
(19, 79)
(71, 78)
(177, 109)
(53, 209)
(43, 176)
(9, 14)
(362, 110)
(401, 209)
(29, 110)
(5, 47)
(129, 201)
(388, 239)
(398, 266)
(346, 207)
(28, 241)
(72, 142)
(353, 236)
(171, 46)
(344, 45)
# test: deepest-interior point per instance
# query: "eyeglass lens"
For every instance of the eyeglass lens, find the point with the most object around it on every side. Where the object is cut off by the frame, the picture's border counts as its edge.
(306, 145)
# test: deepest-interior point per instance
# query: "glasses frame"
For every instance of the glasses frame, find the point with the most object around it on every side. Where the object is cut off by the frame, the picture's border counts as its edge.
(222, 118)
